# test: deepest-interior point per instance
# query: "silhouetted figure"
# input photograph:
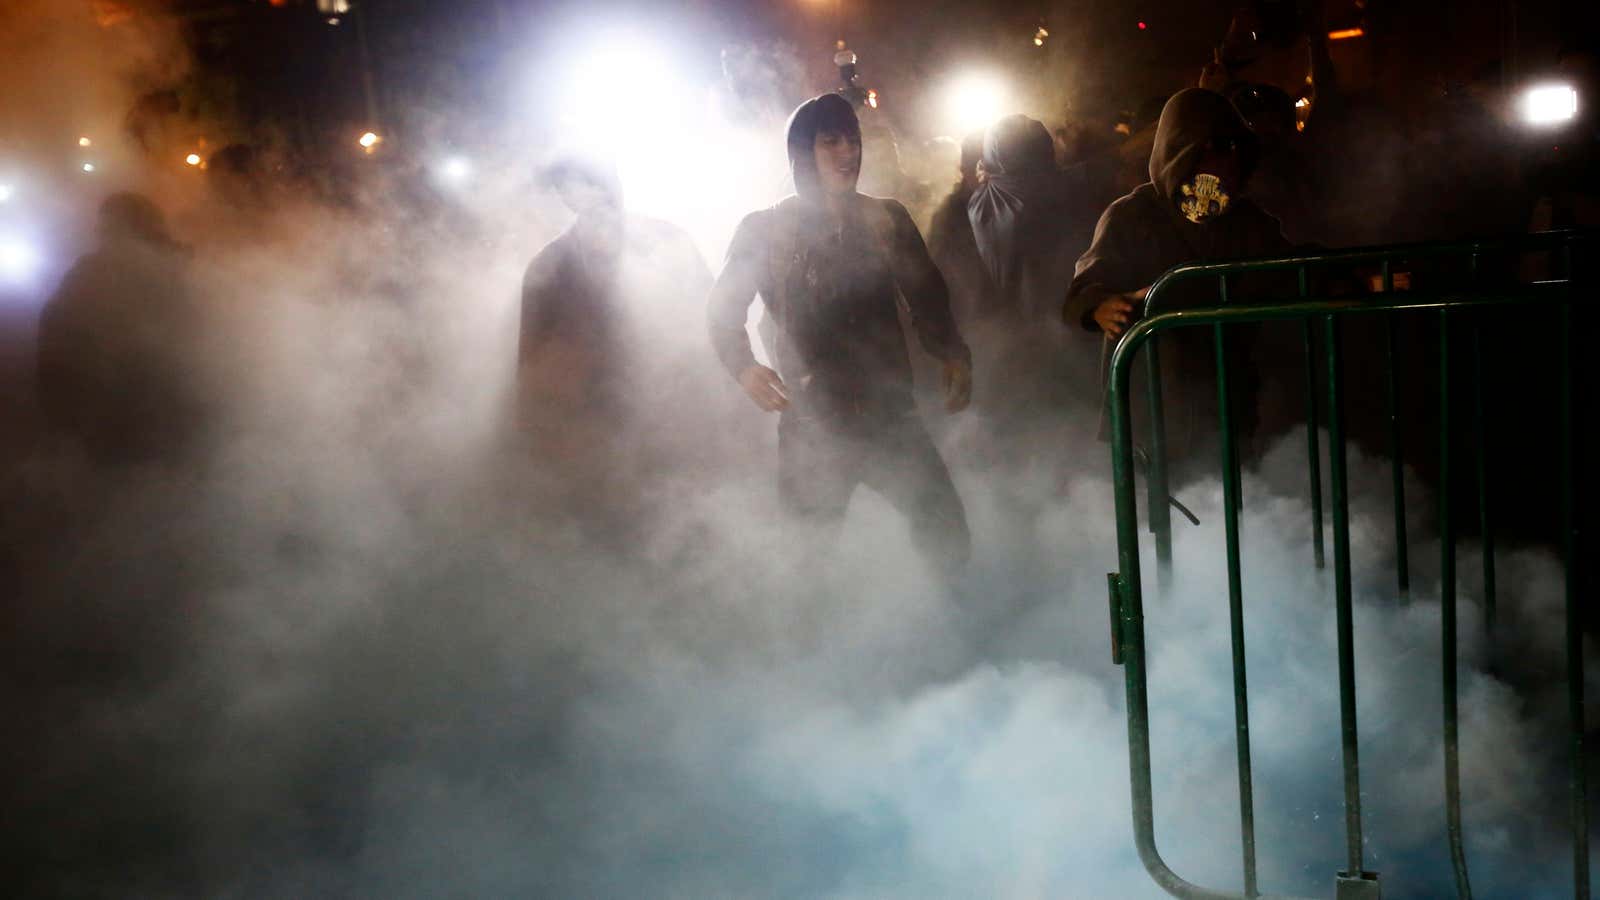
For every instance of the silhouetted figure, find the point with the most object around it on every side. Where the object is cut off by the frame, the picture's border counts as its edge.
(952, 245)
(115, 341)
(828, 264)
(608, 354)
(1192, 210)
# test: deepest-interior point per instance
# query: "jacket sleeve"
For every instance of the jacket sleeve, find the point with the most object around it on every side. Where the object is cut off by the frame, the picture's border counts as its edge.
(926, 296)
(729, 304)
(1104, 269)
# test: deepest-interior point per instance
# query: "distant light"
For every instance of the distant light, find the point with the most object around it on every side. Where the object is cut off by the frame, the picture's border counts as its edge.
(1040, 35)
(88, 167)
(368, 141)
(872, 99)
(1142, 26)
(333, 20)
(5, 192)
(1346, 34)
(1550, 104)
(84, 142)
(18, 259)
(1302, 103)
(455, 169)
(974, 101)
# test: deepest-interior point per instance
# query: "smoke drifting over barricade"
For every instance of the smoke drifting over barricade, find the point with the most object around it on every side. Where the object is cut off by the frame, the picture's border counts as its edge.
(365, 638)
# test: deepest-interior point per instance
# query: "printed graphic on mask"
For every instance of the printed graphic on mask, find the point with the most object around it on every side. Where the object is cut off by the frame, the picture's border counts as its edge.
(1203, 198)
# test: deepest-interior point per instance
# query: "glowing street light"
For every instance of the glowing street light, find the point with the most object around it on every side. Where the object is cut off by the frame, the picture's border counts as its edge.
(369, 140)
(192, 159)
(1040, 36)
(974, 101)
(1550, 104)
(84, 142)
(88, 167)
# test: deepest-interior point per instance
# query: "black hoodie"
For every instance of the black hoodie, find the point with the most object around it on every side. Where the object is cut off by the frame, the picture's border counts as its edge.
(832, 288)
(1144, 233)
(1017, 215)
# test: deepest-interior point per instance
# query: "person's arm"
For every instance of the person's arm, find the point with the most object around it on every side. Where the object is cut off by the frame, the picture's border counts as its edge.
(927, 300)
(1102, 296)
(727, 309)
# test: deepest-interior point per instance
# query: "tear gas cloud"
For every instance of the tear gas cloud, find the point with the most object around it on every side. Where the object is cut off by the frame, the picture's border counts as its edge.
(370, 642)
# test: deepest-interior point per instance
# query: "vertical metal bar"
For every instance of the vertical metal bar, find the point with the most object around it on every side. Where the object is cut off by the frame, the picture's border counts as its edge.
(1156, 481)
(1238, 495)
(1396, 451)
(1241, 703)
(1569, 548)
(1485, 522)
(1341, 571)
(1313, 452)
(1447, 603)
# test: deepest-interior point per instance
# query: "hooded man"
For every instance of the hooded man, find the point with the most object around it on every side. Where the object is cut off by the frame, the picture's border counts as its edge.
(833, 268)
(1017, 214)
(1191, 210)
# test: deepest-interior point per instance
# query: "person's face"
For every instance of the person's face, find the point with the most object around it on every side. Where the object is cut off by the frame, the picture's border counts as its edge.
(1221, 158)
(838, 158)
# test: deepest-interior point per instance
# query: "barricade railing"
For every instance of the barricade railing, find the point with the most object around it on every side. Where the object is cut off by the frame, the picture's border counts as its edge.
(1555, 252)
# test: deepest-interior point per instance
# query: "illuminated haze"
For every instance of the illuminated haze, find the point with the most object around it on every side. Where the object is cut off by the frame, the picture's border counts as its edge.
(369, 645)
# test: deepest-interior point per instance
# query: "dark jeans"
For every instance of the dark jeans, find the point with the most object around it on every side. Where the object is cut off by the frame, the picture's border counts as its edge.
(820, 462)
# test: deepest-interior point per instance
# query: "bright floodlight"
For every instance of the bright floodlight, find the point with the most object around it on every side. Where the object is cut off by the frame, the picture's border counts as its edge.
(455, 169)
(369, 140)
(18, 259)
(974, 101)
(1550, 104)
(192, 159)
(625, 86)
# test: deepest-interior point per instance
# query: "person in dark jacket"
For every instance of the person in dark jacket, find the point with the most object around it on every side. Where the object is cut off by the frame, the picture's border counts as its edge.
(116, 341)
(952, 245)
(600, 373)
(832, 266)
(1017, 213)
(1193, 209)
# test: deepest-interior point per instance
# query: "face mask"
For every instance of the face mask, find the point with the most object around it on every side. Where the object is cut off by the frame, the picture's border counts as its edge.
(1202, 198)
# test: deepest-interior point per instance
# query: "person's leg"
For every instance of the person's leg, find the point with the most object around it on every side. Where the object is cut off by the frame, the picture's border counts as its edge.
(816, 475)
(905, 467)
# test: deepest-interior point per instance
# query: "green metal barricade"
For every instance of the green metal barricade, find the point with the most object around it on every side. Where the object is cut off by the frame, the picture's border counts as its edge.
(1313, 313)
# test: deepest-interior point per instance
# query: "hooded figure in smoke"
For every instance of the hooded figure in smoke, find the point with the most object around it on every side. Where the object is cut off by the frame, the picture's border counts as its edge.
(1016, 214)
(834, 268)
(117, 341)
(1191, 210)
(597, 372)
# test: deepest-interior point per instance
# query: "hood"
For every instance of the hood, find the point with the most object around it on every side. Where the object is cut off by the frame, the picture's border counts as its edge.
(1191, 120)
(1018, 147)
(828, 112)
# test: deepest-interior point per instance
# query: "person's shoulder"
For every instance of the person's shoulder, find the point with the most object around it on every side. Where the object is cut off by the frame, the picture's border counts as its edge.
(549, 258)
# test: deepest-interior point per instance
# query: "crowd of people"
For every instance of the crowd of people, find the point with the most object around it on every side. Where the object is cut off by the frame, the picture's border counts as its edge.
(1045, 247)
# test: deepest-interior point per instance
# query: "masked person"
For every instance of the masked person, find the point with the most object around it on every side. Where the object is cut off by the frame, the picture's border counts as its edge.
(1192, 209)
(832, 267)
